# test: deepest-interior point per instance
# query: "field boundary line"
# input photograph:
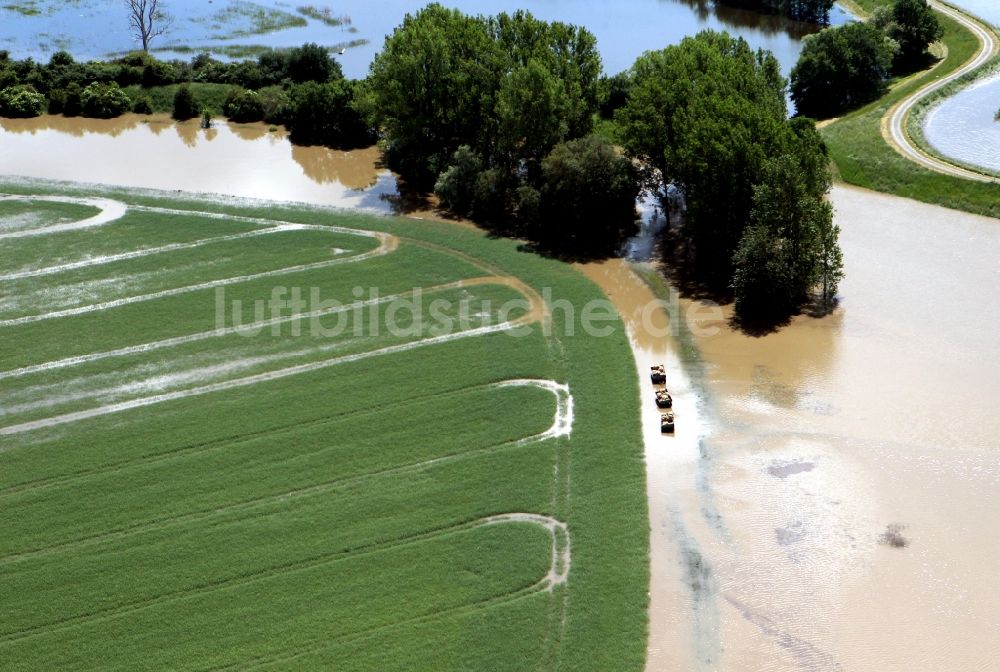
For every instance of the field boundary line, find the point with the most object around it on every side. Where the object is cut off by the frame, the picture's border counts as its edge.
(220, 444)
(138, 254)
(267, 376)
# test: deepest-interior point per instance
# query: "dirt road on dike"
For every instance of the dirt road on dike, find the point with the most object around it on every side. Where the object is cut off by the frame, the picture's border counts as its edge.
(895, 120)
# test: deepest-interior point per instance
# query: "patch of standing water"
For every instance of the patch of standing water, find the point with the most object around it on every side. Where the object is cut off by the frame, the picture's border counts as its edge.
(987, 10)
(656, 213)
(964, 127)
(245, 161)
(93, 29)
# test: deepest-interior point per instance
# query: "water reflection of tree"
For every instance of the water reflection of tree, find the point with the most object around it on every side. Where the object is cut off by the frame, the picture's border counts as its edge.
(735, 17)
(75, 126)
(249, 132)
(356, 169)
(187, 131)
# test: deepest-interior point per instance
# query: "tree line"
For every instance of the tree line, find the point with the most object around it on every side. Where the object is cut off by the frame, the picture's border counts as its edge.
(510, 121)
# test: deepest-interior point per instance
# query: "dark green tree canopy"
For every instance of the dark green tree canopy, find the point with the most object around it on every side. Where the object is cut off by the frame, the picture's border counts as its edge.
(509, 87)
(325, 114)
(841, 68)
(709, 116)
(914, 27)
(587, 204)
(312, 63)
(704, 113)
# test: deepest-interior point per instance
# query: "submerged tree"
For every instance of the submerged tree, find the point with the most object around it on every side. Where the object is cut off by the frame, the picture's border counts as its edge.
(147, 19)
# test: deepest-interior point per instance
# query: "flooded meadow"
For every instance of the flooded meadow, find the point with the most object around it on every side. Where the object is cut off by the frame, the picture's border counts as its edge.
(796, 451)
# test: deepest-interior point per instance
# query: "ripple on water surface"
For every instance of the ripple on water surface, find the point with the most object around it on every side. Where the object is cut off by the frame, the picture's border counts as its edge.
(964, 127)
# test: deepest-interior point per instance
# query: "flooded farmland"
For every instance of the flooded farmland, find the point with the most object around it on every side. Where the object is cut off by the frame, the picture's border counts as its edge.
(243, 160)
(796, 451)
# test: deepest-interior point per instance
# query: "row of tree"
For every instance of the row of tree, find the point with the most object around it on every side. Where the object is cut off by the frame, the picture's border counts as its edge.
(496, 115)
(814, 11)
(845, 67)
(279, 67)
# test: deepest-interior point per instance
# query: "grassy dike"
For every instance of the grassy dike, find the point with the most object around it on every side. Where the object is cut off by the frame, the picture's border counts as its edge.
(242, 529)
(863, 158)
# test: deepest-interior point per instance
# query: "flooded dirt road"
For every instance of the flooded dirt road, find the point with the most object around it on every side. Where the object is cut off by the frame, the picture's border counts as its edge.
(796, 450)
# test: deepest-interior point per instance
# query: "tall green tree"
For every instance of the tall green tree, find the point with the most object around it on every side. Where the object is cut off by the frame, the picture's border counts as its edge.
(325, 114)
(705, 114)
(531, 111)
(587, 198)
(841, 68)
(914, 27)
(790, 246)
(510, 87)
(312, 63)
(433, 88)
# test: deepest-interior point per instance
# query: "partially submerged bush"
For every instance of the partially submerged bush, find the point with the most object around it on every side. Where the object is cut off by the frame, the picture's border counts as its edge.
(455, 187)
(893, 536)
(142, 105)
(186, 106)
(104, 101)
(21, 100)
(243, 106)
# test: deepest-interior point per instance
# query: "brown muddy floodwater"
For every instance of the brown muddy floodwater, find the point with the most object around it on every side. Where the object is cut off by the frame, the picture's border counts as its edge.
(153, 152)
(796, 450)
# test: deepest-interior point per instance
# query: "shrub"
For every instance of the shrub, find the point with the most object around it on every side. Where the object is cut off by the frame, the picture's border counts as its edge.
(893, 536)
(61, 58)
(275, 101)
(455, 187)
(324, 114)
(142, 105)
(312, 63)
(273, 66)
(21, 101)
(72, 104)
(104, 101)
(186, 106)
(246, 74)
(243, 106)
(57, 101)
(158, 73)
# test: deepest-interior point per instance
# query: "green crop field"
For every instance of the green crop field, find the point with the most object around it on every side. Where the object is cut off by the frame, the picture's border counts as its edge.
(236, 437)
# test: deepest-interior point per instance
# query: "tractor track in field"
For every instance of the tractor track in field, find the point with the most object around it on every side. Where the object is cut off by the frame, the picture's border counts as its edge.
(537, 312)
(561, 426)
(555, 576)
